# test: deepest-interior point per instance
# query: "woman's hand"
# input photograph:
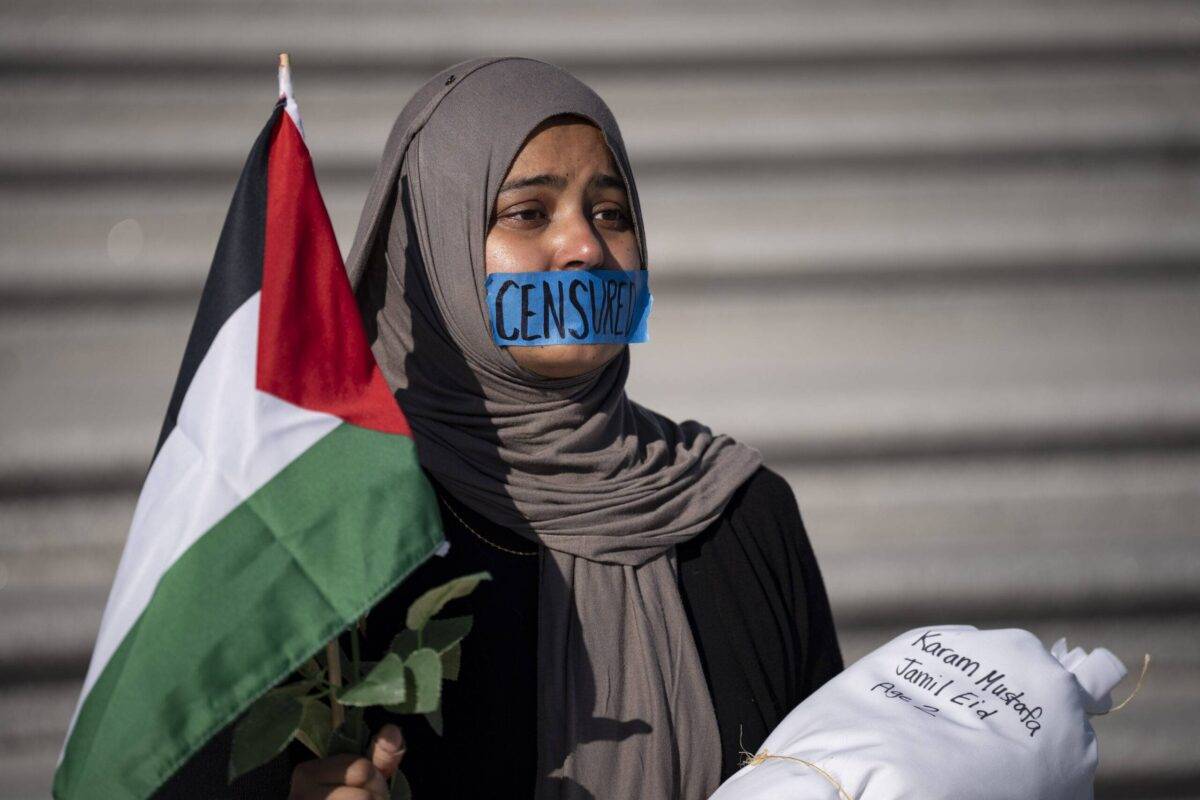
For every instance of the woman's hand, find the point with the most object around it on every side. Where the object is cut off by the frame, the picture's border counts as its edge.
(351, 777)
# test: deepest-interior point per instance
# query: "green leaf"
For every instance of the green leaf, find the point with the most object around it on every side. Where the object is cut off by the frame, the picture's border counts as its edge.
(424, 674)
(400, 789)
(430, 603)
(385, 684)
(426, 666)
(265, 730)
(316, 725)
(405, 643)
(451, 662)
(438, 634)
(442, 634)
(310, 668)
(434, 718)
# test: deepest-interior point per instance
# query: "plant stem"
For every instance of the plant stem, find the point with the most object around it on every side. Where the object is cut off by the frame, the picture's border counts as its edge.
(333, 659)
(357, 719)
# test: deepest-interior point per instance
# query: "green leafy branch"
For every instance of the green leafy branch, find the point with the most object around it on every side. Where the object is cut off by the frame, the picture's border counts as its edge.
(325, 713)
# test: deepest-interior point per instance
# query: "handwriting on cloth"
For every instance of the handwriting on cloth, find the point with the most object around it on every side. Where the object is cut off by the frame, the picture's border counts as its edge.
(959, 680)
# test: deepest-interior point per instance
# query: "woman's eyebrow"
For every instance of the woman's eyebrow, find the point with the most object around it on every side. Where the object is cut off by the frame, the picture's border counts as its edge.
(607, 181)
(602, 181)
(553, 181)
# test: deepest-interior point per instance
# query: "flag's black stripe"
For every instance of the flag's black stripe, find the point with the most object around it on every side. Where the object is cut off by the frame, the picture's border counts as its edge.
(237, 267)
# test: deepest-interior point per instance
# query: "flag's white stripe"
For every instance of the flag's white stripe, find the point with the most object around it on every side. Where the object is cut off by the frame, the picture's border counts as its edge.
(285, 91)
(230, 440)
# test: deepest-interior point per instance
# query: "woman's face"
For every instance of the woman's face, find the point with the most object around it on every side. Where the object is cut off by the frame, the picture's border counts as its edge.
(562, 206)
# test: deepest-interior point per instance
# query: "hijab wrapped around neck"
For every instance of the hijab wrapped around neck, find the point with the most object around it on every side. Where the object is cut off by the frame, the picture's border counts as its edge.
(606, 485)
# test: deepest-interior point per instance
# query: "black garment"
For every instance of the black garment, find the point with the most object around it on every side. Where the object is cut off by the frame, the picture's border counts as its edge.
(753, 595)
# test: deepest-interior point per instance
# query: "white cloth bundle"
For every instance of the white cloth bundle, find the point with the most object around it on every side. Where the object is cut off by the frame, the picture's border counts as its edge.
(948, 712)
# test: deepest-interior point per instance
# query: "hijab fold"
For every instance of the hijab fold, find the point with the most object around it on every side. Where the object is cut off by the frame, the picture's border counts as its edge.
(606, 485)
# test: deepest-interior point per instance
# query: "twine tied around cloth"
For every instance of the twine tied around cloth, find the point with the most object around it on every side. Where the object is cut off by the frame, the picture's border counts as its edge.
(1136, 689)
(751, 759)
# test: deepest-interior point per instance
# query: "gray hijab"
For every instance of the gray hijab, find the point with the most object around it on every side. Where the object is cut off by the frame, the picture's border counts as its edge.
(606, 485)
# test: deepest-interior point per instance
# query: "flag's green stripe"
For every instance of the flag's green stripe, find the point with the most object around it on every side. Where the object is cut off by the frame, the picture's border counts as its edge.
(257, 594)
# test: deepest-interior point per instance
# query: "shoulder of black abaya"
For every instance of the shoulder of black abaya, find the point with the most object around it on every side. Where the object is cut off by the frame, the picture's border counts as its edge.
(766, 491)
(765, 506)
(766, 510)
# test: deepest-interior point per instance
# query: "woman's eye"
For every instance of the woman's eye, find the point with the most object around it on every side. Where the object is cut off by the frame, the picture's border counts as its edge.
(612, 216)
(525, 216)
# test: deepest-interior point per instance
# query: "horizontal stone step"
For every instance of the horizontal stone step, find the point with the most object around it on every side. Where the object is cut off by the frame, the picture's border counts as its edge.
(1079, 537)
(1009, 362)
(42, 35)
(36, 718)
(104, 243)
(1053, 558)
(143, 123)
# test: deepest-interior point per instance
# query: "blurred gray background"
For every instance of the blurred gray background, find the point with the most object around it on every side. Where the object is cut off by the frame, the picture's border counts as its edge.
(949, 252)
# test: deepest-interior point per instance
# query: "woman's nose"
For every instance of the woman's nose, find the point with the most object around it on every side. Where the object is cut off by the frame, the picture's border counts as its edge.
(577, 245)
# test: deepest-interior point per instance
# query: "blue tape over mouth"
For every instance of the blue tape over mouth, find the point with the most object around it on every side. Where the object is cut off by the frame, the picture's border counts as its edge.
(569, 307)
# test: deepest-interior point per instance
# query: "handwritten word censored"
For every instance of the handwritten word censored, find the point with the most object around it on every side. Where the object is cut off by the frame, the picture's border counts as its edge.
(568, 307)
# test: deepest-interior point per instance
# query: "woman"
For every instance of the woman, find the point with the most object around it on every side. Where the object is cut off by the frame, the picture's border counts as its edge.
(655, 604)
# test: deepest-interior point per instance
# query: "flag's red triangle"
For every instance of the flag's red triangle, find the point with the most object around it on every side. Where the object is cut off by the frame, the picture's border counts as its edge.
(312, 349)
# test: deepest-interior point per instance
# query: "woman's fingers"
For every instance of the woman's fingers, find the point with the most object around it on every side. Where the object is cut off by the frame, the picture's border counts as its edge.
(351, 777)
(387, 750)
(340, 777)
(377, 786)
(352, 793)
(345, 769)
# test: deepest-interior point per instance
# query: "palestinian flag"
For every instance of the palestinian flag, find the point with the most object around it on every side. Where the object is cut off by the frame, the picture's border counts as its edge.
(283, 501)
